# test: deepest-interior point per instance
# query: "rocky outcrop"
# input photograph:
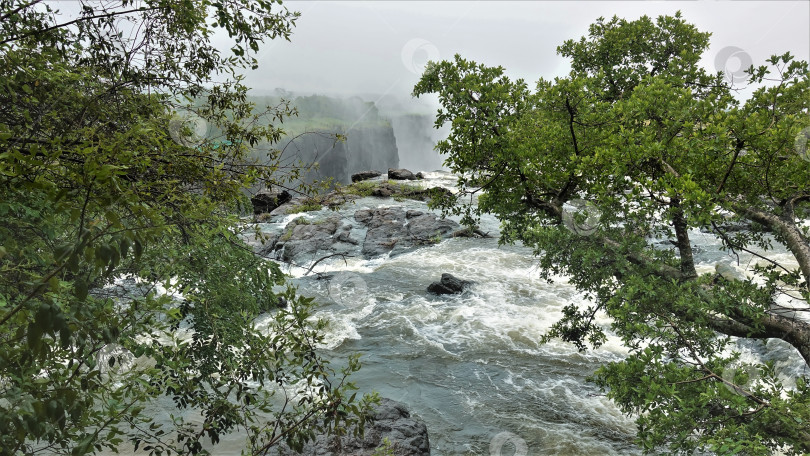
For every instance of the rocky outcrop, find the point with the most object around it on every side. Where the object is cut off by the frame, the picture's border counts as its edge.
(369, 233)
(401, 174)
(385, 190)
(365, 175)
(392, 189)
(302, 239)
(386, 229)
(392, 231)
(267, 200)
(407, 436)
(449, 284)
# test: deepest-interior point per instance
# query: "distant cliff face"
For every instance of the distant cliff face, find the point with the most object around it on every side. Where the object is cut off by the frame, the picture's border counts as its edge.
(372, 147)
(416, 139)
(364, 148)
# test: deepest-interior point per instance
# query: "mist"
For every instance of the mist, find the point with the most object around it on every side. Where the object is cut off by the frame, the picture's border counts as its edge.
(376, 51)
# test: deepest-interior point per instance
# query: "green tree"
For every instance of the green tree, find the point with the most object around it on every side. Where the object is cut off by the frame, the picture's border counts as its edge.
(110, 171)
(639, 145)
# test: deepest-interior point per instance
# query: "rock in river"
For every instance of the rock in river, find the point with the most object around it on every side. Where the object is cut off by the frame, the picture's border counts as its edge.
(407, 436)
(401, 174)
(449, 284)
(365, 175)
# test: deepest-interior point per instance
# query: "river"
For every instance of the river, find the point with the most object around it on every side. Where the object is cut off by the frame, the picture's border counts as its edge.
(469, 365)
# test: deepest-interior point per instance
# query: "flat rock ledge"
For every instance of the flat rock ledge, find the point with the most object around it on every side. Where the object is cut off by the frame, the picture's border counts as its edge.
(408, 436)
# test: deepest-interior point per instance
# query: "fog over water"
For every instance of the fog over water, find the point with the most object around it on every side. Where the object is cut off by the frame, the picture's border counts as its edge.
(377, 50)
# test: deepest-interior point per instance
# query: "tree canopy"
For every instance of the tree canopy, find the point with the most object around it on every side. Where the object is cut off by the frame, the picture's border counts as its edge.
(125, 152)
(609, 173)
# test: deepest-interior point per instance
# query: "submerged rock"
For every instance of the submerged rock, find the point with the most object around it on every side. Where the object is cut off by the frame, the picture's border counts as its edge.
(407, 436)
(449, 284)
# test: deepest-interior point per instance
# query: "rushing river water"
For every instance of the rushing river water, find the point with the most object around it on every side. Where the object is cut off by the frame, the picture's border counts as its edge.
(470, 365)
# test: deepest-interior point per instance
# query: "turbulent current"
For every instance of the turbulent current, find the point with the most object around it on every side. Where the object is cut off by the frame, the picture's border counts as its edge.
(470, 364)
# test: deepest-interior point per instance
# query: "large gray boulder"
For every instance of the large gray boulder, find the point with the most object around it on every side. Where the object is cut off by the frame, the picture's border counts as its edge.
(428, 227)
(408, 436)
(401, 174)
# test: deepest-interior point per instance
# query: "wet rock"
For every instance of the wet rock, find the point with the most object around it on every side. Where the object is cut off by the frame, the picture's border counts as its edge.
(287, 207)
(345, 236)
(400, 174)
(386, 229)
(365, 175)
(267, 200)
(303, 239)
(384, 190)
(335, 199)
(364, 215)
(468, 232)
(449, 284)
(428, 227)
(420, 175)
(408, 436)
(395, 231)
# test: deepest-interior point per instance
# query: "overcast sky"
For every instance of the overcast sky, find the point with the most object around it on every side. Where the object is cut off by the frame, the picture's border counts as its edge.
(379, 48)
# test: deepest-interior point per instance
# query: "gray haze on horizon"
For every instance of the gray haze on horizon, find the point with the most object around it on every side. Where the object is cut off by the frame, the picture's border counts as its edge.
(377, 50)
